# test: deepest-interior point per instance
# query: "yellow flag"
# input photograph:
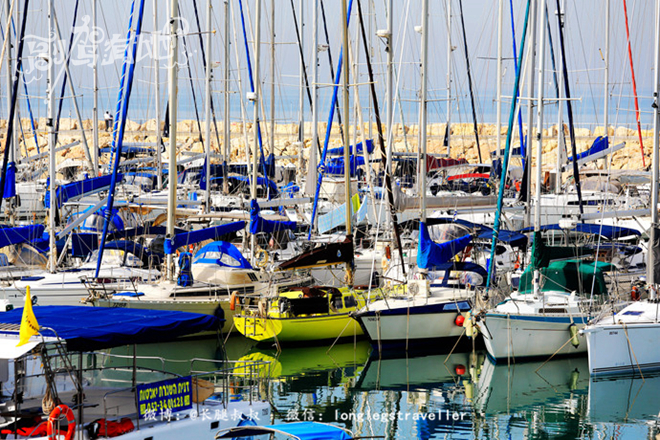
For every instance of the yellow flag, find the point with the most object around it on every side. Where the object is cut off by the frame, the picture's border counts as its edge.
(29, 324)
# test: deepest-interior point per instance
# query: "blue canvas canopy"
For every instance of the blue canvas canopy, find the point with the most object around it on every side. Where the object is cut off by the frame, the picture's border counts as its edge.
(10, 181)
(93, 328)
(431, 254)
(223, 254)
(339, 151)
(296, 430)
(192, 237)
(606, 231)
(258, 224)
(600, 144)
(77, 189)
(23, 234)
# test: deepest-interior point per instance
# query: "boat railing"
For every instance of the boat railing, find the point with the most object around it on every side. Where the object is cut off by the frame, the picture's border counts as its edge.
(245, 380)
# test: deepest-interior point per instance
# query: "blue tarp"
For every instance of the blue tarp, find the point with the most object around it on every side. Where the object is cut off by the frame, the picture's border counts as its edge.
(339, 151)
(23, 234)
(601, 143)
(606, 231)
(192, 237)
(298, 430)
(76, 189)
(223, 254)
(83, 244)
(93, 328)
(431, 254)
(258, 224)
(335, 165)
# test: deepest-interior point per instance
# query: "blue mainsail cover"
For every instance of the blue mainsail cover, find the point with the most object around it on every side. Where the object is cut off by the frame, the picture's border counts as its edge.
(203, 234)
(223, 254)
(431, 254)
(10, 181)
(258, 224)
(360, 149)
(335, 165)
(23, 234)
(92, 328)
(76, 189)
(601, 143)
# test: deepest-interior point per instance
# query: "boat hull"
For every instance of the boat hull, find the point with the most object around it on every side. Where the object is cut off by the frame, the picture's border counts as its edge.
(511, 336)
(615, 349)
(406, 325)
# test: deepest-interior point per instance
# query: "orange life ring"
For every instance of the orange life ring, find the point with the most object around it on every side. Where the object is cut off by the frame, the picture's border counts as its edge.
(232, 301)
(634, 294)
(54, 416)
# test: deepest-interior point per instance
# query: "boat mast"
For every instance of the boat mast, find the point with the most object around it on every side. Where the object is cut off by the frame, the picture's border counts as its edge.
(50, 118)
(347, 152)
(207, 107)
(500, 34)
(421, 164)
(606, 73)
(226, 122)
(272, 77)
(539, 135)
(172, 171)
(8, 45)
(95, 109)
(255, 125)
(449, 49)
(531, 74)
(301, 96)
(159, 135)
(561, 138)
(390, 86)
(652, 265)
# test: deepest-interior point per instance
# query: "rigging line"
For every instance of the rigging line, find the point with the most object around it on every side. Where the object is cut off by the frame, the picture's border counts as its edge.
(27, 98)
(381, 139)
(505, 159)
(523, 143)
(14, 96)
(254, 90)
(192, 86)
(201, 45)
(571, 125)
(67, 56)
(634, 85)
(554, 70)
(331, 64)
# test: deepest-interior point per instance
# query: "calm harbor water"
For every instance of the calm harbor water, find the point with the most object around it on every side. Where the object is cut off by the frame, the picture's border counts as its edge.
(434, 396)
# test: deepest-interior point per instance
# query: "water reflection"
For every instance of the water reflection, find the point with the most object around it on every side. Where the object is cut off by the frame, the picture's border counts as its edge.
(462, 396)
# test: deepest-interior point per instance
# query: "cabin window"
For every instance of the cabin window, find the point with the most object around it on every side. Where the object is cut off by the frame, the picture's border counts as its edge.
(349, 301)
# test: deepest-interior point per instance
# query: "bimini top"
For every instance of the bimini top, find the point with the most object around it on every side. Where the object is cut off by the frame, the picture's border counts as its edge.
(297, 430)
(92, 328)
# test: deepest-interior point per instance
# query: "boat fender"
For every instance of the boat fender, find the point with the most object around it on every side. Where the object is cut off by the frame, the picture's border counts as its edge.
(460, 369)
(575, 376)
(460, 319)
(219, 313)
(232, 301)
(262, 308)
(469, 389)
(55, 414)
(467, 324)
(573, 330)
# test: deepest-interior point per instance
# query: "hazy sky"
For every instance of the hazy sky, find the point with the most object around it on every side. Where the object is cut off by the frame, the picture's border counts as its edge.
(584, 38)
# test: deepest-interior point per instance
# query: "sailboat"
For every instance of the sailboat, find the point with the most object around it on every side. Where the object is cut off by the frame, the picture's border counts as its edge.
(626, 342)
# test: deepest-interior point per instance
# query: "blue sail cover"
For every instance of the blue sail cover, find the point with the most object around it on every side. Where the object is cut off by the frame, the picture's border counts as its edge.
(200, 235)
(23, 234)
(601, 143)
(335, 165)
(77, 189)
(431, 254)
(223, 254)
(87, 328)
(10, 181)
(258, 224)
(339, 151)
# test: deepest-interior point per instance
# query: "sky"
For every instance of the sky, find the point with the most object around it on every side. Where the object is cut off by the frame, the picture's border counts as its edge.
(584, 46)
